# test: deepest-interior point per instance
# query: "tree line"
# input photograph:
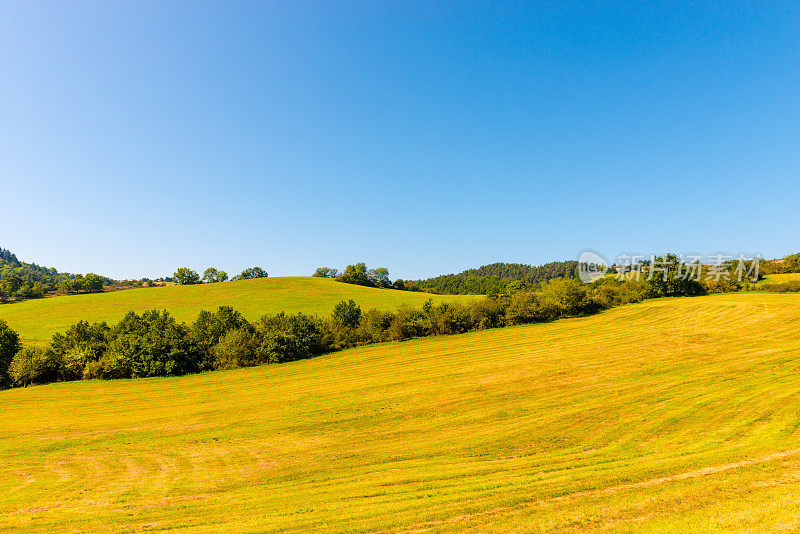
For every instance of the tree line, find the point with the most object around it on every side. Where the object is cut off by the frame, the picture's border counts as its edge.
(186, 276)
(496, 278)
(20, 280)
(155, 344)
(360, 275)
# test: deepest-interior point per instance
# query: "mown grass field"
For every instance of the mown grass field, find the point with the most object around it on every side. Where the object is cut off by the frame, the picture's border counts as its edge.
(37, 320)
(778, 278)
(674, 415)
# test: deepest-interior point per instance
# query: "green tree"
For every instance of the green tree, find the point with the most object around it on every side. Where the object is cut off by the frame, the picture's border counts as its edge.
(290, 337)
(211, 275)
(185, 276)
(347, 314)
(92, 283)
(667, 277)
(238, 348)
(222, 276)
(150, 344)
(355, 274)
(9, 346)
(250, 273)
(379, 277)
(210, 328)
(35, 365)
(326, 272)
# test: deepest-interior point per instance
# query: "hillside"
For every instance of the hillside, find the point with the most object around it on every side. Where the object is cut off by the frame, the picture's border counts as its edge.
(37, 320)
(20, 280)
(674, 415)
(495, 278)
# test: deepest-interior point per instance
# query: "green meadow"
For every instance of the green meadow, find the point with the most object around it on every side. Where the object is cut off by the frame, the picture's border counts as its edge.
(673, 415)
(37, 320)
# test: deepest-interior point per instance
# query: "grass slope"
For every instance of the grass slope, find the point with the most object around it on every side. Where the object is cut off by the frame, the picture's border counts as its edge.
(675, 415)
(37, 320)
(778, 278)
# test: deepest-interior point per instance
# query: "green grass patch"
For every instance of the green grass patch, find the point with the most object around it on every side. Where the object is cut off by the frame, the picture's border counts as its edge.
(37, 320)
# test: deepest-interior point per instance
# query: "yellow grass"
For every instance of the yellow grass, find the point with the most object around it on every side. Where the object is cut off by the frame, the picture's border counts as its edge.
(37, 320)
(778, 278)
(675, 415)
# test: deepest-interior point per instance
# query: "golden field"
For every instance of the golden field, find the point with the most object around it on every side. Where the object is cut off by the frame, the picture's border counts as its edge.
(674, 415)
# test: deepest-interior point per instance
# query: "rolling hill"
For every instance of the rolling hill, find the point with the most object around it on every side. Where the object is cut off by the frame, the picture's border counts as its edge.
(37, 320)
(673, 415)
(778, 278)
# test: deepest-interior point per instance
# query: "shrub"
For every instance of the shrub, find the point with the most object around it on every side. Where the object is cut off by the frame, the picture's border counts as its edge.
(209, 329)
(151, 344)
(347, 314)
(285, 338)
(93, 370)
(452, 319)
(608, 292)
(527, 307)
(408, 323)
(562, 297)
(374, 326)
(91, 339)
(74, 363)
(35, 365)
(664, 279)
(237, 348)
(488, 313)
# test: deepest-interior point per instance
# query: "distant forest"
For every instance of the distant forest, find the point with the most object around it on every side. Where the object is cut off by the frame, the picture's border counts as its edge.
(496, 278)
(20, 280)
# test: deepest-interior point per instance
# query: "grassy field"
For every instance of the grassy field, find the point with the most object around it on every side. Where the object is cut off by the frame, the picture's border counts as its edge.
(37, 320)
(778, 278)
(674, 415)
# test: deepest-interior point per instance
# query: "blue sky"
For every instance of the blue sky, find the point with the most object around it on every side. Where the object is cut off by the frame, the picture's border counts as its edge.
(425, 137)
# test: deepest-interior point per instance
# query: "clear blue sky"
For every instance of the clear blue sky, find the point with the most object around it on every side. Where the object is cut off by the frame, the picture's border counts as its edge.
(137, 137)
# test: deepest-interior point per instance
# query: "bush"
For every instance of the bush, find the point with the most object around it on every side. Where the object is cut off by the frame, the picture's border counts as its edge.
(408, 323)
(488, 313)
(347, 314)
(35, 365)
(90, 339)
(151, 344)
(608, 292)
(74, 362)
(528, 307)
(668, 282)
(374, 326)
(285, 338)
(209, 329)
(452, 319)
(562, 297)
(238, 348)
